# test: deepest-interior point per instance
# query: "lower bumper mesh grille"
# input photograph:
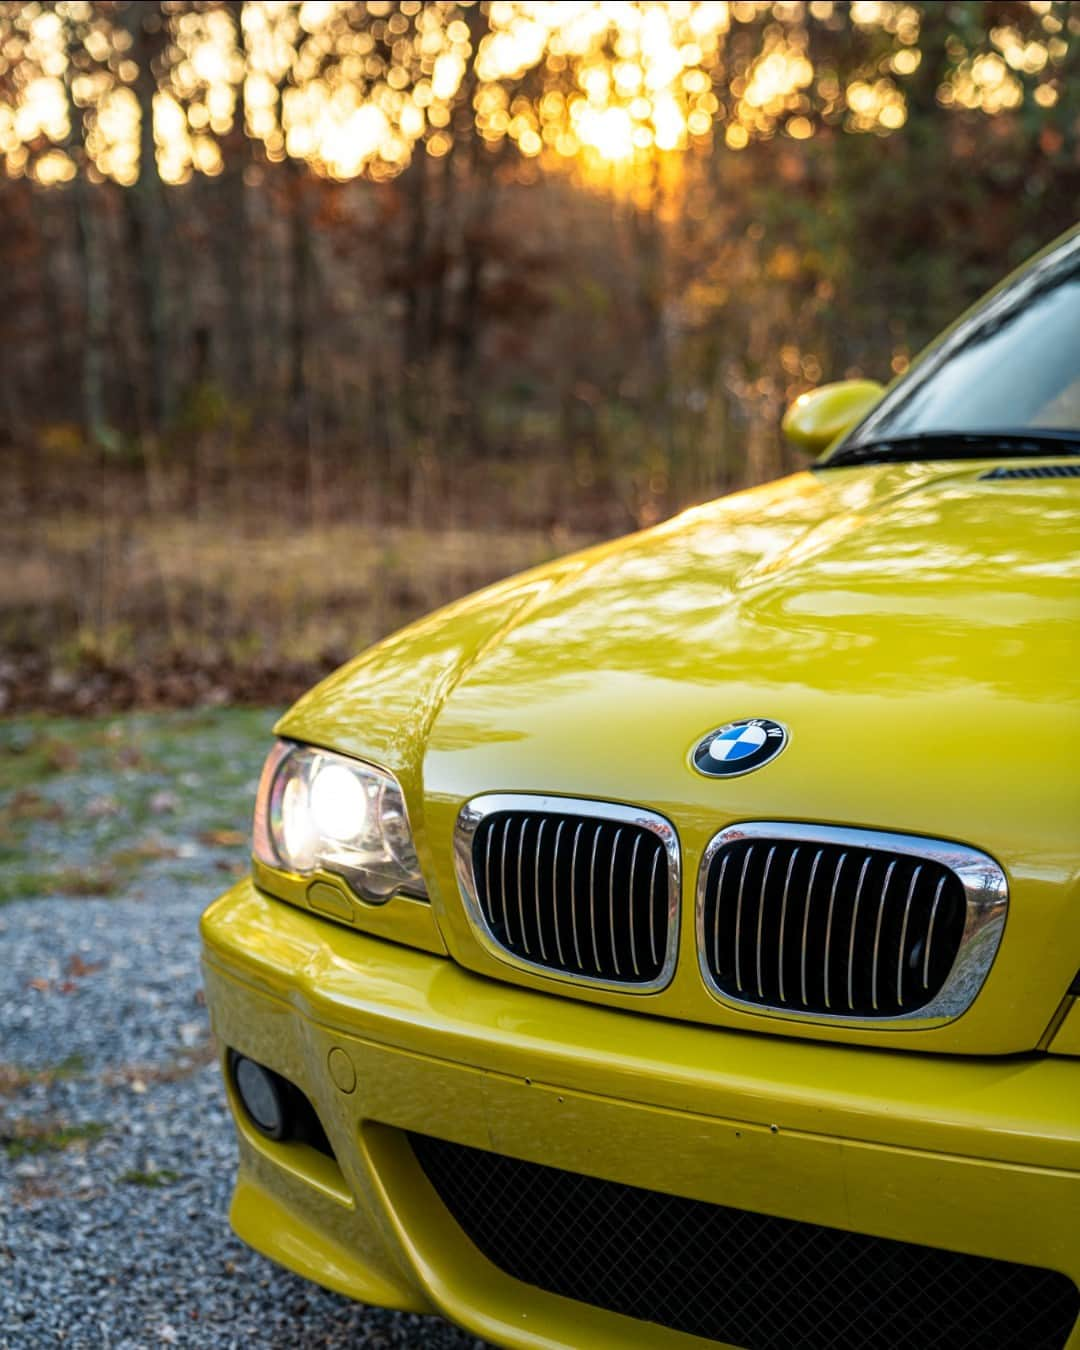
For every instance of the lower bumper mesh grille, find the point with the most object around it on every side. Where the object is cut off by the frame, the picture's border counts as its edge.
(731, 1275)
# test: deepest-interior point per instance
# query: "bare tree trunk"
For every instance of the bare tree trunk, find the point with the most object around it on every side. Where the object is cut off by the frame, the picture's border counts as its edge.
(93, 274)
(474, 251)
(438, 252)
(235, 253)
(475, 238)
(647, 233)
(96, 336)
(11, 418)
(148, 226)
(12, 422)
(51, 223)
(415, 329)
(299, 278)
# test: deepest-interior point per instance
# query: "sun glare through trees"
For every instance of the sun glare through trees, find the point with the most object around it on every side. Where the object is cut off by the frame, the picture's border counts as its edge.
(361, 88)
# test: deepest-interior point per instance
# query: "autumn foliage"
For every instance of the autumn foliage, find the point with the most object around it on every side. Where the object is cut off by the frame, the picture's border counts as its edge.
(429, 272)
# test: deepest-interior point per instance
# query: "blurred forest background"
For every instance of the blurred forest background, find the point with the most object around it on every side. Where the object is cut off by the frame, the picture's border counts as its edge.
(315, 315)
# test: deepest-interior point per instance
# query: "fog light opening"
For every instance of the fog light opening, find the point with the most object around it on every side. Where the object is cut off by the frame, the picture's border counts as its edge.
(263, 1095)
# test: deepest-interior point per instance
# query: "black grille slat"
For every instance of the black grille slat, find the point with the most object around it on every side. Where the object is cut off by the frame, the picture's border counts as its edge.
(1034, 471)
(735, 1276)
(828, 928)
(582, 895)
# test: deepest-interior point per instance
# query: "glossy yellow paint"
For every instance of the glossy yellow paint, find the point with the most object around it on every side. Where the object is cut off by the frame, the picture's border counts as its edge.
(915, 628)
(821, 416)
(913, 625)
(401, 918)
(979, 1155)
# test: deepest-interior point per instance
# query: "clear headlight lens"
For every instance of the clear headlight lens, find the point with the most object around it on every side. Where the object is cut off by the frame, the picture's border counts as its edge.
(317, 810)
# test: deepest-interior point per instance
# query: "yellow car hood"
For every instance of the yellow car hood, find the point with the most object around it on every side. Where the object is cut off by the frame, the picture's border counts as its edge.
(914, 627)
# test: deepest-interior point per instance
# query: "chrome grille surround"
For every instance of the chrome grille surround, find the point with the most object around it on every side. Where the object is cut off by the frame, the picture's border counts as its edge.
(479, 809)
(985, 892)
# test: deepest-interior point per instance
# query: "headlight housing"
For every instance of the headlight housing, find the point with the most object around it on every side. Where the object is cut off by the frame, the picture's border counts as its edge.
(319, 811)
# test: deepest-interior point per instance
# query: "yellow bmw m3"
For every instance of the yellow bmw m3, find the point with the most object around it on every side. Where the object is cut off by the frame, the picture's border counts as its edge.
(679, 944)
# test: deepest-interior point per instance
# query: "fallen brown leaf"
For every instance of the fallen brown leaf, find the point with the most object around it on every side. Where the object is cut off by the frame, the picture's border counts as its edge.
(76, 967)
(223, 838)
(31, 805)
(61, 756)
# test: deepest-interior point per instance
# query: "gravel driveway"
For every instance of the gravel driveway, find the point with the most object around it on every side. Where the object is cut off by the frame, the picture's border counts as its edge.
(116, 1152)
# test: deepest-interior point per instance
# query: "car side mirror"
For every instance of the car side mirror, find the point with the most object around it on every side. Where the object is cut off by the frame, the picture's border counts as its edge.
(822, 415)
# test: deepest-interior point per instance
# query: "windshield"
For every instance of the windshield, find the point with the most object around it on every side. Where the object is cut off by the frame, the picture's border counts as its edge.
(1013, 365)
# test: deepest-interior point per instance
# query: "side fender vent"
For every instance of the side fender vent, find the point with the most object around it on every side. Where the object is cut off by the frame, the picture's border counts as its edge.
(1034, 471)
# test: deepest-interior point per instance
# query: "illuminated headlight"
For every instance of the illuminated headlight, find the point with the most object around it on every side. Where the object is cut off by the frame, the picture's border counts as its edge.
(320, 811)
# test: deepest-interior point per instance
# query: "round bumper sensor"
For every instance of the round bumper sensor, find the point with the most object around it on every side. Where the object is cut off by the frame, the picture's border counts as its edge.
(341, 1070)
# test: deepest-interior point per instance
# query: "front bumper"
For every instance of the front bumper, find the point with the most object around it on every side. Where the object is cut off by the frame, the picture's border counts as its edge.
(977, 1156)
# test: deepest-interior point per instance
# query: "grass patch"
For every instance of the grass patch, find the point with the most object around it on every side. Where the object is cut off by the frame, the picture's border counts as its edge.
(129, 860)
(71, 1066)
(156, 797)
(32, 884)
(29, 884)
(27, 804)
(14, 1078)
(32, 752)
(32, 1137)
(155, 1180)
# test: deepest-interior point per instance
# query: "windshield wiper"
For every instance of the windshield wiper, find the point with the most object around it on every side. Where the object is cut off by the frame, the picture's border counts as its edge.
(956, 445)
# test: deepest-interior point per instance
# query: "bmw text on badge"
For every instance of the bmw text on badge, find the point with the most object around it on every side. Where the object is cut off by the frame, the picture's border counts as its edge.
(739, 747)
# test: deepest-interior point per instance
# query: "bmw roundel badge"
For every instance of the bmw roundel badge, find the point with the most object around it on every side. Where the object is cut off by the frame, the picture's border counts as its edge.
(739, 747)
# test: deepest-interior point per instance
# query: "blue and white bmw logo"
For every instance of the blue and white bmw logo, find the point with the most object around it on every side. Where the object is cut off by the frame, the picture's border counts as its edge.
(739, 747)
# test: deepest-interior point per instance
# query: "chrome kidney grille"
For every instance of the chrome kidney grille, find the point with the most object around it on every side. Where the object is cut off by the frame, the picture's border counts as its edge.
(584, 890)
(855, 925)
